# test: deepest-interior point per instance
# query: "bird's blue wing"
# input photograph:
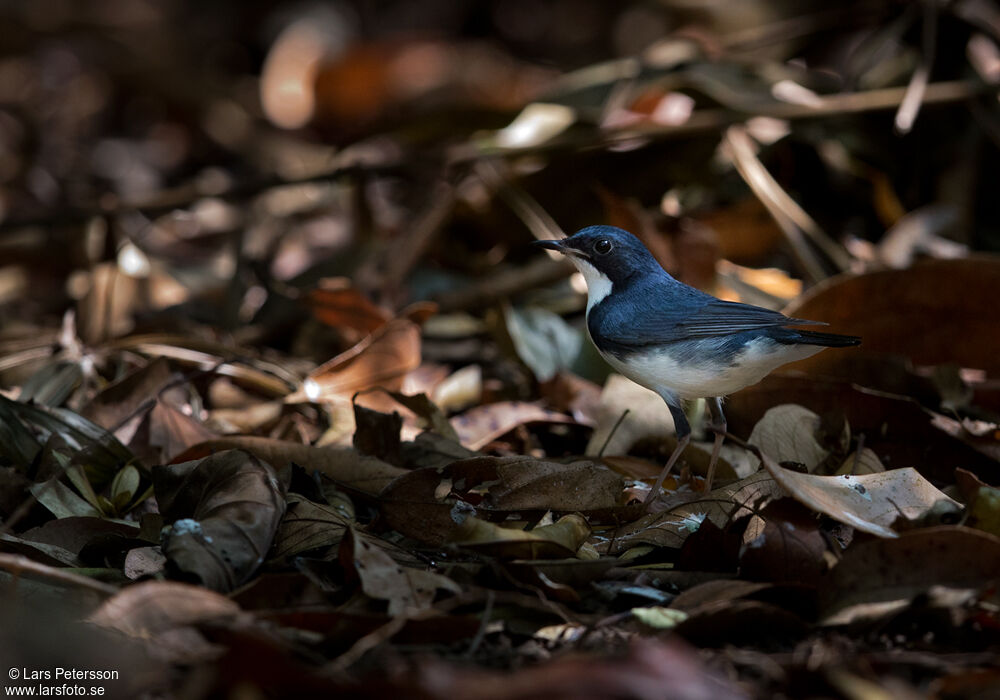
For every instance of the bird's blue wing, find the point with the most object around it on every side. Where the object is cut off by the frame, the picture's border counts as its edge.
(724, 317)
(649, 322)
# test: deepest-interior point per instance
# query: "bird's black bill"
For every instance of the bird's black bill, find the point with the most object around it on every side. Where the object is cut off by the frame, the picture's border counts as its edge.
(561, 247)
(551, 245)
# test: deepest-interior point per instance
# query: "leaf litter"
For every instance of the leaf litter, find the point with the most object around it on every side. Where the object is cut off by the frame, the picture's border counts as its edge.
(240, 452)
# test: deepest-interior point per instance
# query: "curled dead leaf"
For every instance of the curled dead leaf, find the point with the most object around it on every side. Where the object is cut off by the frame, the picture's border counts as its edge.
(787, 433)
(868, 502)
(405, 588)
(380, 359)
(224, 511)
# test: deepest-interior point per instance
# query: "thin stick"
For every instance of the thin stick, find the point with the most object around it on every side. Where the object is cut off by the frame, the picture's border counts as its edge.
(614, 429)
(18, 564)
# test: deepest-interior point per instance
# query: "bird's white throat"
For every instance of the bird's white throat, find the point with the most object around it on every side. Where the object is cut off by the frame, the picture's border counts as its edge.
(598, 283)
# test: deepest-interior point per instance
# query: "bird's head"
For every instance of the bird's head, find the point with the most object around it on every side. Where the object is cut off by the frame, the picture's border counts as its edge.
(605, 256)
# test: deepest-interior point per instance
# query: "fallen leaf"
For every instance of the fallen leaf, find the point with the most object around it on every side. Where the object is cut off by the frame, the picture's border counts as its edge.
(787, 433)
(308, 526)
(881, 576)
(659, 617)
(173, 431)
(720, 506)
(141, 562)
(790, 547)
(863, 462)
(406, 589)
(916, 313)
(531, 484)
(560, 539)
(338, 304)
(380, 359)
(481, 425)
(869, 502)
(897, 428)
(342, 465)
(543, 340)
(129, 396)
(649, 669)
(163, 616)
(459, 390)
(224, 510)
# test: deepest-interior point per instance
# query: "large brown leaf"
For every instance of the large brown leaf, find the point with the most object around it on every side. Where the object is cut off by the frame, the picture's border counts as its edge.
(343, 465)
(936, 312)
(225, 510)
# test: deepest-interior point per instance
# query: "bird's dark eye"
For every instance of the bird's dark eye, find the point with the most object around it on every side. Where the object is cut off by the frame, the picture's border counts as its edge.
(603, 246)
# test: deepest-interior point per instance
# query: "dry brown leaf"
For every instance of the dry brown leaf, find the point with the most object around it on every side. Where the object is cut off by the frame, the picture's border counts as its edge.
(531, 484)
(380, 359)
(143, 561)
(163, 616)
(917, 313)
(123, 399)
(648, 417)
(224, 510)
(672, 527)
(153, 607)
(869, 502)
(381, 577)
(173, 431)
(336, 303)
(343, 465)
(865, 462)
(307, 526)
(561, 539)
(479, 426)
(787, 433)
(881, 576)
(649, 670)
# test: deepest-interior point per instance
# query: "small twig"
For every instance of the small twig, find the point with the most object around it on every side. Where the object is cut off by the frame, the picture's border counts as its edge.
(404, 256)
(507, 283)
(708, 120)
(483, 625)
(790, 217)
(496, 175)
(906, 115)
(611, 434)
(165, 202)
(18, 564)
(382, 634)
(857, 453)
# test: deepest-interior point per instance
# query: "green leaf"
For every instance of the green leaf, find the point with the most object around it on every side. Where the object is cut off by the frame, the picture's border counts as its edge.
(61, 500)
(124, 486)
(78, 478)
(25, 427)
(543, 340)
(659, 617)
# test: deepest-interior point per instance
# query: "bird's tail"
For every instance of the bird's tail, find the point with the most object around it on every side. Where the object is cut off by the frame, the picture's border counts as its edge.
(828, 340)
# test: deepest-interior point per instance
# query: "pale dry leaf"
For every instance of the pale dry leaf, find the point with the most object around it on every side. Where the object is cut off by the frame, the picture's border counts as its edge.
(380, 359)
(648, 417)
(150, 608)
(560, 539)
(479, 426)
(865, 462)
(343, 465)
(880, 576)
(787, 433)
(405, 588)
(869, 502)
(672, 527)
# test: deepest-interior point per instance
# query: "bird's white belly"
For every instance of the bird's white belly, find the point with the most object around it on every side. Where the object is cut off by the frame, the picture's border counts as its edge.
(698, 377)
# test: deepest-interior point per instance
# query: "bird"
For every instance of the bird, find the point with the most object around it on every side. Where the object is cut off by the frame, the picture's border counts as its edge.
(676, 340)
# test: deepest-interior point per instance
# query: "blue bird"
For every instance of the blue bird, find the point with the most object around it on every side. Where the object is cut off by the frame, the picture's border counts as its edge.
(676, 340)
